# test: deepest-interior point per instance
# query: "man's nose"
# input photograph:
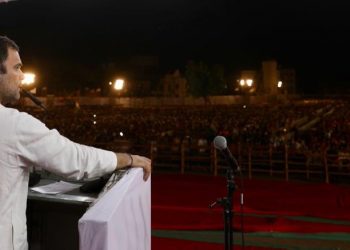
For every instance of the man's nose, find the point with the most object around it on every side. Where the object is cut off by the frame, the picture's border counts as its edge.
(21, 76)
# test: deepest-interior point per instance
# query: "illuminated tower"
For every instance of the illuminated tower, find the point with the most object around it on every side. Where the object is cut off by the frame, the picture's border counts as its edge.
(269, 77)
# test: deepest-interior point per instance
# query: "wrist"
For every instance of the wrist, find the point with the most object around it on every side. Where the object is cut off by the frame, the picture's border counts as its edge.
(124, 160)
(131, 160)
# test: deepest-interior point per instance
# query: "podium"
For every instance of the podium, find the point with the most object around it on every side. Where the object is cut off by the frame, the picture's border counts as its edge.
(120, 219)
(117, 219)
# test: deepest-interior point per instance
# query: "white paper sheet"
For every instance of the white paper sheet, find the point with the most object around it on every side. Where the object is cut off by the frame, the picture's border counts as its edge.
(56, 188)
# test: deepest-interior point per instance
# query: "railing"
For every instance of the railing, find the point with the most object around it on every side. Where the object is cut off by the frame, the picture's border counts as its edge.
(282, 161)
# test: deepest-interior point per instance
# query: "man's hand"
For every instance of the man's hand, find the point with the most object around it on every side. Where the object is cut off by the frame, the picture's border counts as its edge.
(142, 162)
(134, 161)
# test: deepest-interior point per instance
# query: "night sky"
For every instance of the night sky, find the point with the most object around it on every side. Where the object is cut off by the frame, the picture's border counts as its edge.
(59, 38)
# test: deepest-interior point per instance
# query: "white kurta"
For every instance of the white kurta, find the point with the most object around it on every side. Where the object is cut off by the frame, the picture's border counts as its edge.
(24, 142)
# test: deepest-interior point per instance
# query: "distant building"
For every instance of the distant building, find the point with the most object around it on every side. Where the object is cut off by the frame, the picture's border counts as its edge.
(174, 85)
(146, 76)
(287, 76)
(271, 79)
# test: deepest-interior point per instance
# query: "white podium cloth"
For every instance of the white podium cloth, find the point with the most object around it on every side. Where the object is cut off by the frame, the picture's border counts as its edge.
(121, 219)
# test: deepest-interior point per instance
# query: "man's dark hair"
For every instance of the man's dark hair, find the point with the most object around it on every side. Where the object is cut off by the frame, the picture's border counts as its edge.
(5, 43)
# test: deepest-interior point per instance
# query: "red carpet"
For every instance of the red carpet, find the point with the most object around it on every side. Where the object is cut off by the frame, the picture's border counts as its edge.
(173, 244)
(181, 202)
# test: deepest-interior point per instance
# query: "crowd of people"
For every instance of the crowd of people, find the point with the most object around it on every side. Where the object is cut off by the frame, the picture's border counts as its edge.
(303, 126)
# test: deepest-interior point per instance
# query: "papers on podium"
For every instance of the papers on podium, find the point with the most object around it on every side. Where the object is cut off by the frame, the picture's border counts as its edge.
(56, 187)
(121, 218)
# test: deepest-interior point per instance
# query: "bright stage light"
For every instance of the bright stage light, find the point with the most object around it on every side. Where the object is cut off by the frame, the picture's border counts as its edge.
(249, 82)
(29, 78)
(119, 84)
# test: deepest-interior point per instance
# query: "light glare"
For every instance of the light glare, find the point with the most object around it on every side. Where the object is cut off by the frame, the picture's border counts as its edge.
(249, 82)
(29, 78)
(119, 84)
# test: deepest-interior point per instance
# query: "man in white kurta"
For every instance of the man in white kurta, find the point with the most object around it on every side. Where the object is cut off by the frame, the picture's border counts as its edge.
(25, 141)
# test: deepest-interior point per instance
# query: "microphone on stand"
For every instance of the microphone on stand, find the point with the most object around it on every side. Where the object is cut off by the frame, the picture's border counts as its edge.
(33, 98)
(220, 143)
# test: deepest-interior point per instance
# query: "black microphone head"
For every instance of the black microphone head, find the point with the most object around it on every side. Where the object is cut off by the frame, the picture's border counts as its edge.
(220, 142)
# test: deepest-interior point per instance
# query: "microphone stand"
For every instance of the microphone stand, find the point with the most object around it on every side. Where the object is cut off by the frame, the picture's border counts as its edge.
(227, 204)
(33, 98)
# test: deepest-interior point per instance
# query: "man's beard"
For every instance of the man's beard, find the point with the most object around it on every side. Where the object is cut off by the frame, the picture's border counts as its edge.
(10, 97)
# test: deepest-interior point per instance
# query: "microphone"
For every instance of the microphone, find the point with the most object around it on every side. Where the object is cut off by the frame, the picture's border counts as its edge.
(33, 98)
(220, 143)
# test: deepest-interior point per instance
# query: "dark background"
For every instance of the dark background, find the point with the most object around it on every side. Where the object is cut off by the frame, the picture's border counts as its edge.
(73, 42)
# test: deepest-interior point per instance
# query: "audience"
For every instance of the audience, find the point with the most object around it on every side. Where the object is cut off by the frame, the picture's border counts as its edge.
(304, 127)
